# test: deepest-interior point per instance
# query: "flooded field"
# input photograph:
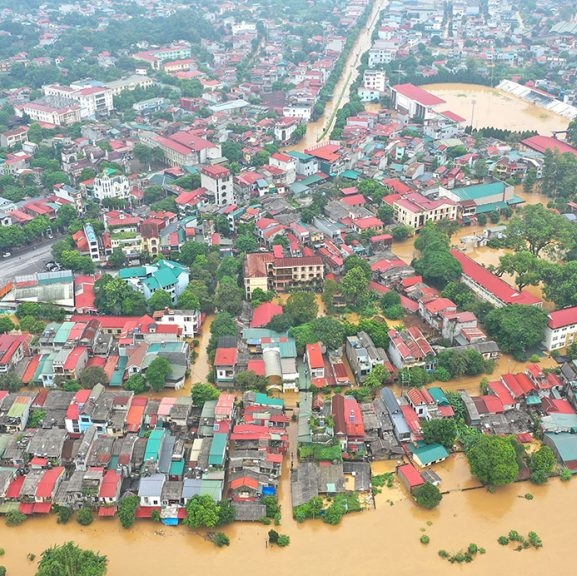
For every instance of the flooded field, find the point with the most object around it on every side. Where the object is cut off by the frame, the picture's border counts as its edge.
(482, 106)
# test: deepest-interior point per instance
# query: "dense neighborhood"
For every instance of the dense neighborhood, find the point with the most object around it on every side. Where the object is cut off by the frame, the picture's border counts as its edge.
(211, 286)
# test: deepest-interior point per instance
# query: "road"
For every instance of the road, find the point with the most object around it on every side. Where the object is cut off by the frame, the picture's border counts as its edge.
(26, 262)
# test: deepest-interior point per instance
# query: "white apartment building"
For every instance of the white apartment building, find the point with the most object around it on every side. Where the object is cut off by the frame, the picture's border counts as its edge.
(416, 210)
(92, 100)
(58, 116)
(375, 80)
(108, 186)
(219, 183)
(295, 111)
(561, 329)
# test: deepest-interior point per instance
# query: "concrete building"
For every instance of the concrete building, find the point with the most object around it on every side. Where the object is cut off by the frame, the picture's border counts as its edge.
(93, 100)
(64, 115)
(219, 183)
(415, 102)
(108, 185)
(263, 270)
(416, 210)
(561, 329)
(363, 355)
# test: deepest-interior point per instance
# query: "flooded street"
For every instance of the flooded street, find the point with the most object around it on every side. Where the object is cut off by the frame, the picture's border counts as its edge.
(482, 106)
(321, 129)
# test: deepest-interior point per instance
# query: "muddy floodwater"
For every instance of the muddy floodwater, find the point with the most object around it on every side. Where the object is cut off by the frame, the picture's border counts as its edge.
(482, 106)
(371, 542)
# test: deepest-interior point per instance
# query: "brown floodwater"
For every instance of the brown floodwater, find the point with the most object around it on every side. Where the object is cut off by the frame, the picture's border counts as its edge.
(320, 130)
(482, 107)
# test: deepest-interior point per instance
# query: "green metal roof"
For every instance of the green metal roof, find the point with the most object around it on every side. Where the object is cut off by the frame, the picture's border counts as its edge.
(287, 349)
(154, 443)
(217, 450)
(515, 200)
(438, 396)
(117, 376)
(351, 174)
(479, 191)
(299, 155)
(565, 445)
(265, 400)
(176, 468)
(429, 453)
(4, 441)
(135, 272)
(211, 488)
(309, 180)
(165, 277)
(63, 332)
(19, 407)
(492, 206)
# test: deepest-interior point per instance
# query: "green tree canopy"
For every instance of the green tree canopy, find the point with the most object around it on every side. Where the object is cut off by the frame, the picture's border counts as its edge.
(248, 380)
(70, 560)
(136, 383)
(160, 300)
(516, 328)
(204, 512)
(493, 460)
(127, 510)
(427, 496)
(440, 431)
(302, 307)
(229, 296)
(157, 373)
(523, 265)
(202, 393)
(93, 375)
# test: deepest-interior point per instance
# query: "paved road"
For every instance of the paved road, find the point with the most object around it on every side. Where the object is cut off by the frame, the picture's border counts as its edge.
(26, 262)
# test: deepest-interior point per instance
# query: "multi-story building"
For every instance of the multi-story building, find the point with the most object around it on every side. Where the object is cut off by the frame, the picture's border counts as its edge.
(13, 137)
(416, 210)
(561, 329)
(363, 355)
(64, 115)
(159, 55)
(414, 101)
(265, 271)
(166, 275)
(93, 100)
(130, 83)
(219, 183)
(491, 288)
(108, 185)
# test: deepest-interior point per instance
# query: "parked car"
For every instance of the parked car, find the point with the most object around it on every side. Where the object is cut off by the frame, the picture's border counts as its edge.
(6, 254)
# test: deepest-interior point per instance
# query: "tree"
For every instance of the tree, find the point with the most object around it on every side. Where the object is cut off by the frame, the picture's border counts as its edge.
(246, 243)
(93, 375)
(35, 133)
(281, 323)
(127, 510)
(160, 300)
(440, 431)
(537, 228)
(229, 296)
(229, 266)
(136, 383)
(525, 266)
(401, 233)
(386, 213)
(84, 516)
(427, 496)
(529, 180)
(6, 325)
(202, 393)
(516, 328)
(542, 463)
(355, 288)
(202, 512)
(157, 373)
(480, 168)
(560, 283)
(377, 377)
(259, 296)
(115, 296)
(493, 460)
(197, 291)
(190, 251)
(438, 267)
(68, 559)
(9, 381)
(358, 262)
(248, 380)
(302, 307)
(117, 259)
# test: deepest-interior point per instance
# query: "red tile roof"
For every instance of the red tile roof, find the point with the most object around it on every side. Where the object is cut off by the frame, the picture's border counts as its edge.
(493, 404)
(512, 384)
(47, 485)
(315, 356)
(244, 481)
(418, 94)
(500, 390)
(226, 357)
(257, 366)
(493, 284)
(264, 313)
(543, 143)
(109, 486)
(411, 475)
(562, 318)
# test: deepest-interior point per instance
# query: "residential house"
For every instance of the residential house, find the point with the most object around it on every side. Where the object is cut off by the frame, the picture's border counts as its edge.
(561, 329)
